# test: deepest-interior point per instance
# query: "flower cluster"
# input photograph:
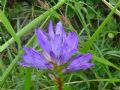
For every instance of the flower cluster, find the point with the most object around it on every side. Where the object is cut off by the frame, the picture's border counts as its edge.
(57, 49)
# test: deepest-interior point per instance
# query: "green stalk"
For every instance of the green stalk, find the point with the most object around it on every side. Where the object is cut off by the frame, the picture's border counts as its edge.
(59, 83)
(105, 62)
(9, 28)
(28, 79)
(32, 24)
(89, 43)
(111, 7)
(4, 5)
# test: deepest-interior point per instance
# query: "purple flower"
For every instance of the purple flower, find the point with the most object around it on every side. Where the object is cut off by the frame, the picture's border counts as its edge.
(58, 47)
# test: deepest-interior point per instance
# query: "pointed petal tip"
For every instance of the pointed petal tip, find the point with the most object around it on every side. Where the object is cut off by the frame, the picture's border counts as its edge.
(25, 48)
(19, 63)
(89, 55)
(50, 21)
(60, 23)
(38, 30)
(50, 30)
(59, 29)
(22, 64)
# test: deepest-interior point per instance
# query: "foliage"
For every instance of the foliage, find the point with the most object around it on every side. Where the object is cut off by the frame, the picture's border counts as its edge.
(96, 25)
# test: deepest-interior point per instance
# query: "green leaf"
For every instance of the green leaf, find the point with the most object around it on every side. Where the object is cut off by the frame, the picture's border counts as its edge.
(32, 24)
(89, 43)
(106, 62)
(9, 28)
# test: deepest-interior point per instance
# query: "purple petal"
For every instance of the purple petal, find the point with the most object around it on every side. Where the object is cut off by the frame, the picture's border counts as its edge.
(68, 55)
(69, 47)
(43, 40)
(56, 45)
(60, 30)
(32, 58)
(79, 62)
(47, 56)
(24, 64)
(56, 48)
(72, 40)
(51, 57)
(50, 30)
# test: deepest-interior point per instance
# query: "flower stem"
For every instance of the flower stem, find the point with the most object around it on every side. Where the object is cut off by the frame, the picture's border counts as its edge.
(59, 82)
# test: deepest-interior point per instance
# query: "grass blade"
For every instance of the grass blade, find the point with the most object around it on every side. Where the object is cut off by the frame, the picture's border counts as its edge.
(106, 62)
(9, 28)
(32, 24)
(28, 79)
(89, 43)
